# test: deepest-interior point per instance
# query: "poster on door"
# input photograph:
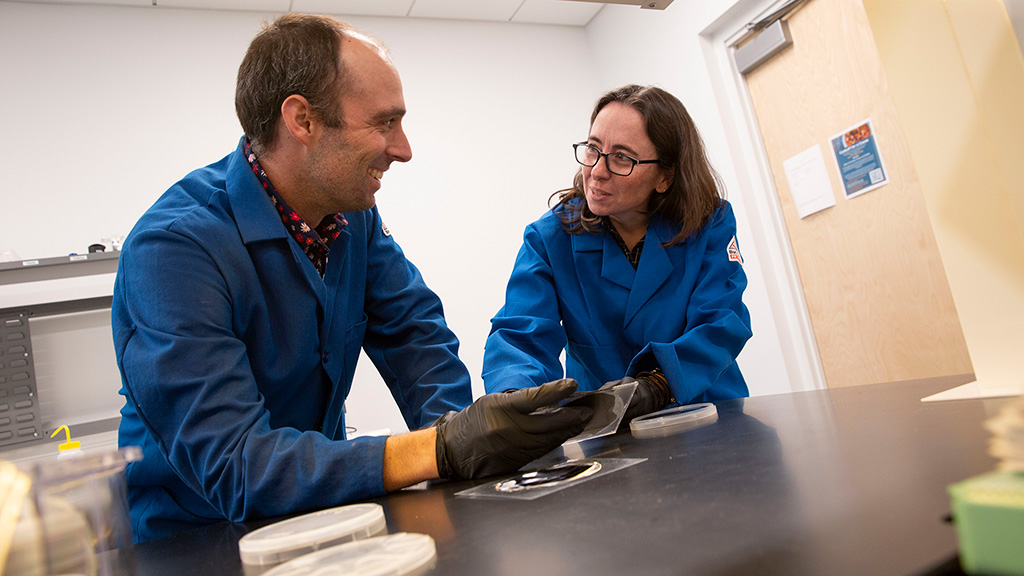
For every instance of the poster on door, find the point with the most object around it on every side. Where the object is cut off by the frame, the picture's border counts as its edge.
(860, 165)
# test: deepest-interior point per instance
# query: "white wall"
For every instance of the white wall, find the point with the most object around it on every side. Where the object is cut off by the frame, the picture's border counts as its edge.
(494, 109)
(102, 108)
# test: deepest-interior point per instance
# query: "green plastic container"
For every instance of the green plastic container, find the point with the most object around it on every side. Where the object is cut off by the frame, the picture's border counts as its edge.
(988, 511)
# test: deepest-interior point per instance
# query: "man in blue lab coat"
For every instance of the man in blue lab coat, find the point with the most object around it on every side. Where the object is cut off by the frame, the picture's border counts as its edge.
(245, 293)
(636, 272)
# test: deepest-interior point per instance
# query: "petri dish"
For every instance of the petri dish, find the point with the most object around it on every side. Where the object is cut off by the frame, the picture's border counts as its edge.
(288, 539)
(674, 420)
(401, 554)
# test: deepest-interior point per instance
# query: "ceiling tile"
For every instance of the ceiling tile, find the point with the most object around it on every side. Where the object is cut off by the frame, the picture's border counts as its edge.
(254, 5)
(557, 12)
(94, 2)
(354, 7)
(562, 12)
(494, 10)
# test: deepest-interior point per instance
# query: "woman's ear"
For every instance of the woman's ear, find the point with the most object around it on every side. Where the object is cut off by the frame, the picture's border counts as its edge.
(664, 183)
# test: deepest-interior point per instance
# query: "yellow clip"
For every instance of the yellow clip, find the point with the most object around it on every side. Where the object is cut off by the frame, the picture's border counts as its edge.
(69, 445)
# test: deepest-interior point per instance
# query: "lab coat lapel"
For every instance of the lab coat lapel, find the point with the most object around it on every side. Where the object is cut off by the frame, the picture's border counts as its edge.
(611, 269)
(332, 278)
(254, 213)
(614, 267)
(257, 220)
(654, 269)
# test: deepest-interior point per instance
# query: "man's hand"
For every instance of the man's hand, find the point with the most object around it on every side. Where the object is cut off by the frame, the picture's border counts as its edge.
(500, 432)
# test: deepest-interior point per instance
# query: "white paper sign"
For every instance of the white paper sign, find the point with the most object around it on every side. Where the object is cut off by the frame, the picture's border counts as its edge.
(808, 181)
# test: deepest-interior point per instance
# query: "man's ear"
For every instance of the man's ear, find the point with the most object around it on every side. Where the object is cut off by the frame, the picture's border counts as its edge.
(298, 118)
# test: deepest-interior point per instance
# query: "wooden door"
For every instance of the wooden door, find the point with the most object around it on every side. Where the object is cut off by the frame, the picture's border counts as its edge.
(875, 286)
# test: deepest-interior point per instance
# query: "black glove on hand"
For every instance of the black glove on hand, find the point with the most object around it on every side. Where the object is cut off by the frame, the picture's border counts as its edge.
(651, 394)
(500, 433)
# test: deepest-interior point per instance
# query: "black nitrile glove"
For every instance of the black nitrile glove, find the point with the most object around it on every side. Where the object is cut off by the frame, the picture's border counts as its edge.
(651, 394)
(501, 432)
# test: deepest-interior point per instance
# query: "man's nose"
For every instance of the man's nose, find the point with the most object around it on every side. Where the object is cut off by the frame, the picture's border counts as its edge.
(399, 148)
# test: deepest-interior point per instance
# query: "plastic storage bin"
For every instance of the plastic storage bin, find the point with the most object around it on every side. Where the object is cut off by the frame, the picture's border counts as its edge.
(988, 511)
(75, 517)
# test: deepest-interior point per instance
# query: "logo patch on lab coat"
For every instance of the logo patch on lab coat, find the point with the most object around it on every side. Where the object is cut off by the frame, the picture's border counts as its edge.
(734, 251)
(384, 229)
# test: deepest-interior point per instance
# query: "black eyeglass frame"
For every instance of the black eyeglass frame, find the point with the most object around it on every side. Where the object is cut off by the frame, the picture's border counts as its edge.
(633, 161)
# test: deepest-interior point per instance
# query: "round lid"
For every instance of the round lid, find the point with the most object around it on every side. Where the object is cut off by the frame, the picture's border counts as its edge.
(288, 539)
(675, 419)
(402, 554)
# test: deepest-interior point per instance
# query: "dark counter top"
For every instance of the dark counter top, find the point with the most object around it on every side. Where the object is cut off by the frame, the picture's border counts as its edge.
(845, 481)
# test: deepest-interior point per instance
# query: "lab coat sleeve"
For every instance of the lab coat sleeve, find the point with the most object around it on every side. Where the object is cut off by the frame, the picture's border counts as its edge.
(717, 324)
(188, 378)
(527, 336)
(407, 337)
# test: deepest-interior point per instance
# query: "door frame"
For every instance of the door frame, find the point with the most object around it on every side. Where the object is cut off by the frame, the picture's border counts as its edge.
(756, 185)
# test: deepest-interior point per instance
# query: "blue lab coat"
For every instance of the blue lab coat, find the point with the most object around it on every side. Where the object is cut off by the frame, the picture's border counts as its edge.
(236, 357)
(681, 310)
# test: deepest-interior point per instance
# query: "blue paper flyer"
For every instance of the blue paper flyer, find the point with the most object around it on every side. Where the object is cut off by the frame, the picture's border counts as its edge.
(860, 164)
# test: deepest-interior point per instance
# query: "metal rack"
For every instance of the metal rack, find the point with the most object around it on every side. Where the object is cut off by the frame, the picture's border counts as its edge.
(24, 406)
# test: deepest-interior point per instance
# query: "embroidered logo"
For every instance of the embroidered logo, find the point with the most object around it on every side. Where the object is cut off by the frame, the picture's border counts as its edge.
(734, 251)
(384, 229)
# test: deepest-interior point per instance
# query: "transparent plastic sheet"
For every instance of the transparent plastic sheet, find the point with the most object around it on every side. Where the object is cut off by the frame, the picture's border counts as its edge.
(609, 406)
(532, 484)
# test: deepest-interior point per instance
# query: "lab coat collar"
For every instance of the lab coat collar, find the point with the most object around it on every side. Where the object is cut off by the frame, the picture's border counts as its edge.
(614, 268)
(254, 212)
(655, 267)
(655, 264)
(257, 220)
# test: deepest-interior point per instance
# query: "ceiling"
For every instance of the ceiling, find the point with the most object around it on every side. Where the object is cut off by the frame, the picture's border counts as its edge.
(561, 12)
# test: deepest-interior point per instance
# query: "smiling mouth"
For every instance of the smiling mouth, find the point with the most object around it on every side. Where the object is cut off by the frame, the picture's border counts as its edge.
(378, 174)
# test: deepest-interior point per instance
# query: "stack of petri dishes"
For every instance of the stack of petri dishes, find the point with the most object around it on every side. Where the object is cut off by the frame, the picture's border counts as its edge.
(344, 540)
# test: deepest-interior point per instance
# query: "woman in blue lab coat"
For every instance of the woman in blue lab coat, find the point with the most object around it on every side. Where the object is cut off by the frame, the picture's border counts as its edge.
(636, 271)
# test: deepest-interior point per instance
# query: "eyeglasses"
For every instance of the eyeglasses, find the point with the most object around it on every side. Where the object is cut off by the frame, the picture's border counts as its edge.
(617, 162)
